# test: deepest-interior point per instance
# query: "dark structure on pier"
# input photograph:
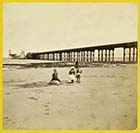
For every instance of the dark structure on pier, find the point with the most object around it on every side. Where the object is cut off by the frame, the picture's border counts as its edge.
(104, 54)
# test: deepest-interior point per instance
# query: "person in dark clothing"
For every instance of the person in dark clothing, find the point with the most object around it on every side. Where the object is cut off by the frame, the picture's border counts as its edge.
(76, 64)
(55, 78)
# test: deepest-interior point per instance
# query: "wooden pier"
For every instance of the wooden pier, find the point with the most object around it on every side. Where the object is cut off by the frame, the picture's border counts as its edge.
(100, 54)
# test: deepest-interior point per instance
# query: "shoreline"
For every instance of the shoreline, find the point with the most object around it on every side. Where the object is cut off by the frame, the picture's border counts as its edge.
(65, 64)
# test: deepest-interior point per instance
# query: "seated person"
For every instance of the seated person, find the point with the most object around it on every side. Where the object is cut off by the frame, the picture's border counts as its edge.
(55, 79)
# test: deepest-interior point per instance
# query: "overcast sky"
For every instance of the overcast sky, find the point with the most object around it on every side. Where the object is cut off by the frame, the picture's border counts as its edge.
(51, 26)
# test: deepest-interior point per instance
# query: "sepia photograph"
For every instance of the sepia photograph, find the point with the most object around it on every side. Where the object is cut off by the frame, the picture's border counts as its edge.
(69, 66)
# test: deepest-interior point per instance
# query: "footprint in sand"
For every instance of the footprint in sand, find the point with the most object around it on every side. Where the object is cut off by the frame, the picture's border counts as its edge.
(47, 113)
(33, 98)
(6, 118)
(47, 109)
(46, 105)
(7, 93)
(115, 93)
(124, 115)
(77, 106)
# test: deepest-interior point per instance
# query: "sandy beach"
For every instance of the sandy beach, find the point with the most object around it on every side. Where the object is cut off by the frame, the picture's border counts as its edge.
(106, 98)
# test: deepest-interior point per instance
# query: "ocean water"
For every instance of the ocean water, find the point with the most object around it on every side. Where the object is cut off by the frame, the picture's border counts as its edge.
(23, 61)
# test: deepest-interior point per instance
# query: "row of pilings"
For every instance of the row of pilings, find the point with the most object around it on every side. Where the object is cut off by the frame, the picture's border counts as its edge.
(104, 54)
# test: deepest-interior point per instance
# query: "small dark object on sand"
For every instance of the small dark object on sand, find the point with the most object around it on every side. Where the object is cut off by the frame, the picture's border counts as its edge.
(124, 115)
(33, 98)
(47, 113)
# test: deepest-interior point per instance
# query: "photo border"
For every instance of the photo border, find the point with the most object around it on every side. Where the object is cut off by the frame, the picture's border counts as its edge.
(137, 130)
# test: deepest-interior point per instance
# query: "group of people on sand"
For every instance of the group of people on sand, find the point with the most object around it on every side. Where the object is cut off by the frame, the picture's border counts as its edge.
(74, 75)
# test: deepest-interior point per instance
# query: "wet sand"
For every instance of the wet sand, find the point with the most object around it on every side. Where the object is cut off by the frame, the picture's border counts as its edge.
(106, 98)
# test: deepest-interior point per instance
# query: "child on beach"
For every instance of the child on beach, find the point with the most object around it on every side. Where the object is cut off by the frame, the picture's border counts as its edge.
(55, 79)
(72, 74)
(78, 74)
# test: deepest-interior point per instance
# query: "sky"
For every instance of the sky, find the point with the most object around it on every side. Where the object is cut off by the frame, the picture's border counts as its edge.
(37, 27)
